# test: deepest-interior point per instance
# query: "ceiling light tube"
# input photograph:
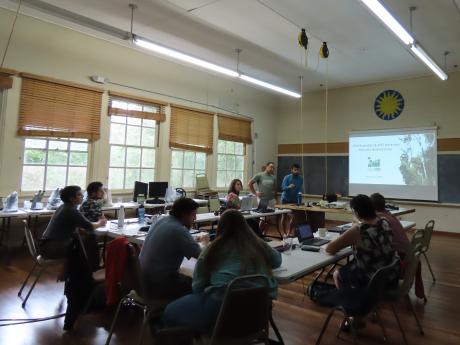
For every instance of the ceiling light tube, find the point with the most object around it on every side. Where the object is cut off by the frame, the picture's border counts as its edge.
(183, 57)
(269, 86)
(382, 13)
(422, 55)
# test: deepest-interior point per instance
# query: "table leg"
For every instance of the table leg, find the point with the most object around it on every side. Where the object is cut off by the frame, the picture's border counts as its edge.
(316, 220)
(3, 231)
(298, 217)
(7, 238)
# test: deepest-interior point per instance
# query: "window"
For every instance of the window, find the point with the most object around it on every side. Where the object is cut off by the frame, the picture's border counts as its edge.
(132, 145)
(49, 163)
(185, 165)
(230, 162)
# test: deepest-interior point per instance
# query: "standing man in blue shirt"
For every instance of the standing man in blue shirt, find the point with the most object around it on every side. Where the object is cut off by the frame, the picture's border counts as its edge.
(291, 187)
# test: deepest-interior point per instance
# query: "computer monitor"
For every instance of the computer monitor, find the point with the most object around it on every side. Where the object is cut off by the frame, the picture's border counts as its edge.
(157, 190)
(140, 188)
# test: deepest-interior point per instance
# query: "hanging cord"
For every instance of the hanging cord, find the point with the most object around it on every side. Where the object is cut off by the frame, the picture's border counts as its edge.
(11, 33)
(326, 125)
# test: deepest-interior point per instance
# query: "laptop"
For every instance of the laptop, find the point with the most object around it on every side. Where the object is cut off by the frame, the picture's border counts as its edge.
(305, 235)
(246, 204)
(263, 207)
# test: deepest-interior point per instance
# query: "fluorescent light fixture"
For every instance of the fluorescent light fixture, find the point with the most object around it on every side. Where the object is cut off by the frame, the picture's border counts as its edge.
(269, 86)
(183, 57)
(381, 12)
(208, 65)
(422, 55)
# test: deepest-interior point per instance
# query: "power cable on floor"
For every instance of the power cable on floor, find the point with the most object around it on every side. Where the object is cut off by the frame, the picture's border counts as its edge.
(13, 322)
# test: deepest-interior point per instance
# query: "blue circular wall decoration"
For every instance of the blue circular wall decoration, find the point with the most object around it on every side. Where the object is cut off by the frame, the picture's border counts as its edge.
(389, 104)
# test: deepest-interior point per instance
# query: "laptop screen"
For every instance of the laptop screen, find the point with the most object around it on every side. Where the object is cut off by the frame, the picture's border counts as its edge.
(304, 232)
(263, 204)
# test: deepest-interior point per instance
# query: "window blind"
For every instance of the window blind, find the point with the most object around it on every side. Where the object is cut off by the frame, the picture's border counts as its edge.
(234, 129)
(54, 108)
(191, 129)
(150, 109)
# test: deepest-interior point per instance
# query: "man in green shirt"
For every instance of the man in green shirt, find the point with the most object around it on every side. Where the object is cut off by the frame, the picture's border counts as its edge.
(266, 184)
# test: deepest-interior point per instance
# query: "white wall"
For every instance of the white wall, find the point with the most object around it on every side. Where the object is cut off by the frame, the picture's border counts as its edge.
(428, 101)
(46, 49)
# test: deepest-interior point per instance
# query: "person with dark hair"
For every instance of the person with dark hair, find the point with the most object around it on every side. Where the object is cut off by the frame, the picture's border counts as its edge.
(58, 236)
(290, 187)
(266, 184)
(233, 195)
(236, 251)
(91, 206)
(371, 242)
(233, 202)
(166, 244)
(400, 241)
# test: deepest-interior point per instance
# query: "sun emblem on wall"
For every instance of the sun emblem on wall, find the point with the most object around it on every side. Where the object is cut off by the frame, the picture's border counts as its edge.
(389, 104)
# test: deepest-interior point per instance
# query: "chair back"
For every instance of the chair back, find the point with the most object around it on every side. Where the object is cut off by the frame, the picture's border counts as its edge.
(202, 209)
(30, 240)
(379, 283)
(245, 310)
(411, 262)
(132, 277)
(427, 236)
(214, 204)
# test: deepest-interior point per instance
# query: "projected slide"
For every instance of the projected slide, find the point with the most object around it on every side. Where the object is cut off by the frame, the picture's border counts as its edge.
(397, 163)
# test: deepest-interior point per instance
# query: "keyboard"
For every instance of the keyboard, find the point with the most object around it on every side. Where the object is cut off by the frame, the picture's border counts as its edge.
(315, 242)
(267, 210)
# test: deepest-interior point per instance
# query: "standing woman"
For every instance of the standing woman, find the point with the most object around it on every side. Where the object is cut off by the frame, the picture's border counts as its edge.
(236, 251)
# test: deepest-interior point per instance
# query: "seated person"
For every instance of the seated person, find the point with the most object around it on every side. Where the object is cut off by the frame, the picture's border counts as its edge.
(236, 251)
(233, 195)
(400, 241)
(371, 242)
(57, 238)
(91, 206)
(233, 202)
(166, 244)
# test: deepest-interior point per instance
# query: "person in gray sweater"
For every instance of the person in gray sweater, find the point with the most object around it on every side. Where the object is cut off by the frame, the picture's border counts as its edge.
(58, 236)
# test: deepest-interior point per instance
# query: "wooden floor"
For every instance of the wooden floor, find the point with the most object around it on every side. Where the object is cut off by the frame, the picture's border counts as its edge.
(298, 319)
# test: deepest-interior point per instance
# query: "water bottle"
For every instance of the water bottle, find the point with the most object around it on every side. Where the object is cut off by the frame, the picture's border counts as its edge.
(141, 213)
(121, 217)
(299, 198)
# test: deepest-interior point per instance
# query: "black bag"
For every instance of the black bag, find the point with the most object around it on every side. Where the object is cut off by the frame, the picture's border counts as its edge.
(319, 291)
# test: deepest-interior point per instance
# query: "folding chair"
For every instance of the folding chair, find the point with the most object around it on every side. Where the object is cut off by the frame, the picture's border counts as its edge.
(410, 264)
(39, 261)
(245, 314)
(359, 302)
(136, 297)
(426, 244)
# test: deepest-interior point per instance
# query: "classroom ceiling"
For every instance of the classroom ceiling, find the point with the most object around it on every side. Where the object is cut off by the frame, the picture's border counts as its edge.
(361, 49)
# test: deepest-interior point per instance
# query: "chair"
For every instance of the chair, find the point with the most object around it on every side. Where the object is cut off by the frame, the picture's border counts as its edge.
(136, 297)
(39, 261)
(214, 205)
(360, 302)
(410, 264)
(245, 313)
(426, 244)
